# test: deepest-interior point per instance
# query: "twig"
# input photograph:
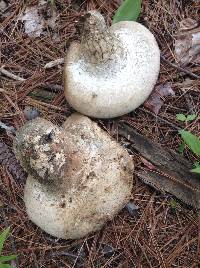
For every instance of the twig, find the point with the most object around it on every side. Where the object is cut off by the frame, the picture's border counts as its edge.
(180, 68)
(79, 253)
(171, 171)
(54, 63)
(11, 75)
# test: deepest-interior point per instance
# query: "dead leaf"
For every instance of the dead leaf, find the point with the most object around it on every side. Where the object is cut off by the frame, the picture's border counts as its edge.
(187, 44)
(157, 97)
(38, 18)
(33, 22)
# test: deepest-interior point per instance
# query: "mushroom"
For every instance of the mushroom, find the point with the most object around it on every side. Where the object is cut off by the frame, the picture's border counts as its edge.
(79, 177)
(113, 70)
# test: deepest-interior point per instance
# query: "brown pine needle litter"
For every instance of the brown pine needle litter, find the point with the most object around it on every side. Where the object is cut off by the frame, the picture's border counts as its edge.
(164, 232)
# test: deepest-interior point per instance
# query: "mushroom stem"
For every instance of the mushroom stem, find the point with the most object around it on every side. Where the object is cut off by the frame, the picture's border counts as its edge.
(98, 44)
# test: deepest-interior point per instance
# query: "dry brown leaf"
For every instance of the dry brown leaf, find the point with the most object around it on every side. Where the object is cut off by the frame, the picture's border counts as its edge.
(187, 44)
(157, 97)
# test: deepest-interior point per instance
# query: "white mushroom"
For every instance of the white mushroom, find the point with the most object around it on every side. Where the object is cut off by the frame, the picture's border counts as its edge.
(113, 70)
(79, 177)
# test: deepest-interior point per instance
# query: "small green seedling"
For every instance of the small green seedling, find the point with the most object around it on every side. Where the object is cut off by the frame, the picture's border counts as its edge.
(196, 168)
(52, 2)
(4, 259)
(173, 204)
(185, 118)
(192, 141)
(129, 10)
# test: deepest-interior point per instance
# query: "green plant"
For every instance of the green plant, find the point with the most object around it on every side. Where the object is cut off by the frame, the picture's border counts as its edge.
(189, 139)
(173, 204)
(128, 10)
(5, 259)
(52, 2)
(186, 118)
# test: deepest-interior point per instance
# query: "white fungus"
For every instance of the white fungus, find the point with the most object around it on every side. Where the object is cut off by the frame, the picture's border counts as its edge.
(113, 70)
(82, 179)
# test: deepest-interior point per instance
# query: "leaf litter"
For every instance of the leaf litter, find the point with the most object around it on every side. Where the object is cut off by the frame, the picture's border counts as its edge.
(187, 43)
(38, 17)
(156, 100)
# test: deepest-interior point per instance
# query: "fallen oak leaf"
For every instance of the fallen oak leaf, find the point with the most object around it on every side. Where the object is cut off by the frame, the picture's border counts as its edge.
(187, 44)
(157, 97)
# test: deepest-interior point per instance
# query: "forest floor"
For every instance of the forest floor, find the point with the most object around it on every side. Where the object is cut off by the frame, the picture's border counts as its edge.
(164, 232)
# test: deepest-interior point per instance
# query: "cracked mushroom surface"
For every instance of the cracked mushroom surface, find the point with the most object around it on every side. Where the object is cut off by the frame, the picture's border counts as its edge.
(113, 69)
(79, 177)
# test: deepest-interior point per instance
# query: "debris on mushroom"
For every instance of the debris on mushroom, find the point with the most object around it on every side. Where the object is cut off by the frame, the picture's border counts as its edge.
(79, 177)
(113, 70)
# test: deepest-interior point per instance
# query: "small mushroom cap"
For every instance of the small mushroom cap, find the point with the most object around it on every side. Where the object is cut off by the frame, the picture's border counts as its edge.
(119, 85)
(96, 185)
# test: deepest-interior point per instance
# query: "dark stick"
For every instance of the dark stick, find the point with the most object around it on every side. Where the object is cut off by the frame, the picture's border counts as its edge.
(171, 172)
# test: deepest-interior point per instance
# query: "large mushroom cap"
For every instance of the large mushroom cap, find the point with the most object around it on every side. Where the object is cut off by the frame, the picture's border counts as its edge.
(113, 70)
(96, 183)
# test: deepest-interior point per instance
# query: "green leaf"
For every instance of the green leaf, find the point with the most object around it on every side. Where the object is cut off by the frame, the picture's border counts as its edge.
(191, 117)
(181, 117)
(181, 148)
(191, 140)
(196, 164)
(3, 237)
(2, 265)
(128, 10)
(196, 169)
(7, 258)
(52, 2)
(173, 204)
